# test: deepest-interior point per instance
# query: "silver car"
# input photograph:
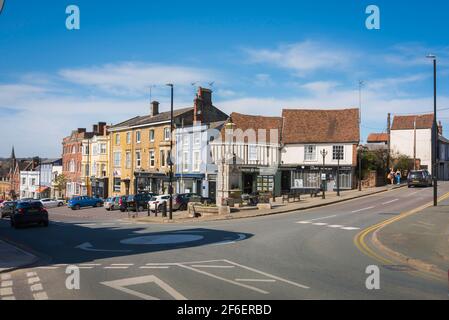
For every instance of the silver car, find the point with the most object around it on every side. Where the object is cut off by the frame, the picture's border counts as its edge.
(111, 204)
(51, 203)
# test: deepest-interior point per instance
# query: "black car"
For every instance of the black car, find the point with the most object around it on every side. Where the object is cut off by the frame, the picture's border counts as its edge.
(29, 212)
(136, 202)
(419, 178)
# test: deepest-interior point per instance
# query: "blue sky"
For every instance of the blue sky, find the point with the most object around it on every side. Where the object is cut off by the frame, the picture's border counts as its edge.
(261, 55)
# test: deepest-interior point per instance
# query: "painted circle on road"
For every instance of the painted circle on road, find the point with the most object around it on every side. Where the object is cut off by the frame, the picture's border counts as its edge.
(163, 239)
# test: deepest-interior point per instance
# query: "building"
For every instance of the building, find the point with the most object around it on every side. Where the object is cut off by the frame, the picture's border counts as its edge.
(377, 141)
(412, 136)
(48, 172)
(29, 184)
(72, 147)
(195, 171)
(10, 176)
(317, 142)
(140, 146)
(247, 155)
(95, 162)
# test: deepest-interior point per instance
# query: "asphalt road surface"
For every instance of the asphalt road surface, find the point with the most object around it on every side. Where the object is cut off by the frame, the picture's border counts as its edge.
(303, 255)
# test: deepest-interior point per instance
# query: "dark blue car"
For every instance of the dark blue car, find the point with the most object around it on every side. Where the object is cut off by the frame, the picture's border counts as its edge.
(77, 203)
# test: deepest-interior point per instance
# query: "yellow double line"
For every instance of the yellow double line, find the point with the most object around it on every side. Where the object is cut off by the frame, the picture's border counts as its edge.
(360, 238)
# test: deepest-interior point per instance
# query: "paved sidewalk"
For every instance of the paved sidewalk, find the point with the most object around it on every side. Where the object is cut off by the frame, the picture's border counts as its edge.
(278, 207)
(420, 240)
(12, 257)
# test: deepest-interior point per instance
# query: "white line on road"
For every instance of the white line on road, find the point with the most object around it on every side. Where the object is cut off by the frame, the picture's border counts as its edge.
(5, 276)
(335, 226)
(390, 201)
(364, 209)
(5, 284)
(90, 265)
(255, 280)
(34, 280)
(317, 219)
(36, 287)
(211, 266)
(320, 224)
(8, 298)
(122, 264)
(350, 228)
(6, 292)
(110, 267)
(40, 296)
(154, 267)
(48, 268)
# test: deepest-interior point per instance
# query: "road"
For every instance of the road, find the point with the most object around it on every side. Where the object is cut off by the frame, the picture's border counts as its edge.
(302, 255)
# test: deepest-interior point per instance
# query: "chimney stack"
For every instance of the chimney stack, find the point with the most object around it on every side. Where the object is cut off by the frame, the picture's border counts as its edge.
(95, 129)
(202, 102)
(154, 108)
(102, 128)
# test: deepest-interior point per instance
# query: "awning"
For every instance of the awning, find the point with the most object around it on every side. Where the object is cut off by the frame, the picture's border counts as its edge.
(42, 189)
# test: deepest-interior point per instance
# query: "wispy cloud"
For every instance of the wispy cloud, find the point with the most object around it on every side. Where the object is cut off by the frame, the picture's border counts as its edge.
(304, 57)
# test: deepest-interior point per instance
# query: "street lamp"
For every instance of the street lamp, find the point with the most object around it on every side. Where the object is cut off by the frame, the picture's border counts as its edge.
(360, 167)
(170, 184)
(324, 153)
(435, 132)
(339, 155)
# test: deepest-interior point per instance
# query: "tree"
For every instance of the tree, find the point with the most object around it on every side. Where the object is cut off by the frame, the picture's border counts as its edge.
(61, 183)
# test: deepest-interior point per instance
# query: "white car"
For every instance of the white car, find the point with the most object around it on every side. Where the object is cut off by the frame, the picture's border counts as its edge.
(51, 203)
(158, 202)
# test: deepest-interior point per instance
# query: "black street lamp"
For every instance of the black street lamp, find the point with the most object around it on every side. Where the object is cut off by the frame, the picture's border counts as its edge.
(324, 153)
(339, 154)
(435, 132)
(170, 184)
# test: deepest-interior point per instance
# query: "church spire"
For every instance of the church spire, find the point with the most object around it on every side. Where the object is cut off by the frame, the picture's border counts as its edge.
(13, 154)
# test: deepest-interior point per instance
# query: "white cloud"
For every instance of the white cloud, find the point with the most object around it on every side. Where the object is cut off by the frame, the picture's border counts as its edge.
(303, 57)
(134, 78)
(320, 87)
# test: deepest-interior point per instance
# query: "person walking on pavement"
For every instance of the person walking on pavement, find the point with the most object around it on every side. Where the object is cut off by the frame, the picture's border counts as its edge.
(391, 176)
(398, 177)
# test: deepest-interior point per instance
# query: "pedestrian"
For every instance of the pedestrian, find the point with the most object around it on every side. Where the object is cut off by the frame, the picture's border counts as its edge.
(398, 177)
(391, 176)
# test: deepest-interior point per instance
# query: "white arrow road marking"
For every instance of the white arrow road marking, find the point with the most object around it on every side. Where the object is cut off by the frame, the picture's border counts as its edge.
(87, 246)
(123, 283)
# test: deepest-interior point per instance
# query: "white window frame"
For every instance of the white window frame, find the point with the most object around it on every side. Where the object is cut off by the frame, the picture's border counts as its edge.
(138, 159)
(151, 135)
(128, 160)
(196, 161)
(167, 134)
(117, 159)
(138, 136)
(162, 158)
(128, 138)
(334, 158)
(152, 159)
(310, 153)
(253, 154)
(103, 148)
(185, 161)
(117, 139)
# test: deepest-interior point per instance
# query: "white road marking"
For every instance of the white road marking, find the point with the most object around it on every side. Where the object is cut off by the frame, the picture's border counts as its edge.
(211, 266)
(336, 226)
(110, 267)
(154, 267)
(317, 219)
(8, 298)
(90, 265)
(364, 209)
(6, 283)
(412, 194)
(40, 296)
(122, 284)
(33, 280)
(350, 228)
(6, 292)
(5, 276)
(390, 201)
(122, 264)
(255, 280)
(48, 268)
(37, 287)
(268, 275)
(320, 224)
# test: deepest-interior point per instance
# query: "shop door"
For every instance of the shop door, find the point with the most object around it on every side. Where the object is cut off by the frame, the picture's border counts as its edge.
(212, 190)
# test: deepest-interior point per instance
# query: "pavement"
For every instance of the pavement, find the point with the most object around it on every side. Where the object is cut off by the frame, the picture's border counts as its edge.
(12, 257)
(303, 254)
(278, 207)
(420, 240)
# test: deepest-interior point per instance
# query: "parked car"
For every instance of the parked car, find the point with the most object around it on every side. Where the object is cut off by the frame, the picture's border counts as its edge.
(77, 203)
(158, 202)
(52, 203)
(136, 202)
(7, 208)
(111, 204)
(419, 178)
(29, 212)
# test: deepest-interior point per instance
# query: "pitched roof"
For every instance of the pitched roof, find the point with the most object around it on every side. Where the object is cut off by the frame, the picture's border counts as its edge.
(321, 126)
(377, 137)
(254, 122)
(148, 119)
(424, 121)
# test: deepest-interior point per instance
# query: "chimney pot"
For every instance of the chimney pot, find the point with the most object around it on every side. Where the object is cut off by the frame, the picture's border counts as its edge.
(154, 108)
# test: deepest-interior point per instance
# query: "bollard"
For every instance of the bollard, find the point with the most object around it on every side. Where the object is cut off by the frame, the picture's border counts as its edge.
(164, 210)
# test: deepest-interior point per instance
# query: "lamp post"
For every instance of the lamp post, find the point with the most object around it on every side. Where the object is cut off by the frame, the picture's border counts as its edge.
(170, 184)
(435, 132)
(324, 154)
(360, 167)
(338, 171)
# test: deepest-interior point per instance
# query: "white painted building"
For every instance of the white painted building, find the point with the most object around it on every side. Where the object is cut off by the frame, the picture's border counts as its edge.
(29, 184)
(307, 135)
(412, 136)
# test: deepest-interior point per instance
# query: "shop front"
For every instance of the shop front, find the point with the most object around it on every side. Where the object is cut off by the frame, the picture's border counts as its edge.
(255, 181)
(99, 187)
(190, 183)
(152, 182)
(310, 177)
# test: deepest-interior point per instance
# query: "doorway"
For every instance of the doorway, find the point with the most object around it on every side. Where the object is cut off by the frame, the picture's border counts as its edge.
(248, 183)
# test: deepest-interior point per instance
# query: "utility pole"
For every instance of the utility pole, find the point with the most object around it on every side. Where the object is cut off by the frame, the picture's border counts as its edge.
(170, 184)
(435, 133)
(388, 141)
(361, 84)
(324, 154)
(338, 172)
(414, 144)
(360, 166)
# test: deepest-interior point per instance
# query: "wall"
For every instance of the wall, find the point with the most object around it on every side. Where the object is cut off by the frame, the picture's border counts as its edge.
(402, 141)
(293, 154)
